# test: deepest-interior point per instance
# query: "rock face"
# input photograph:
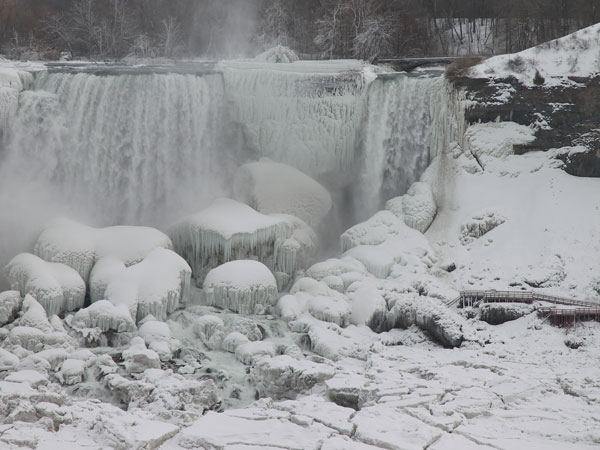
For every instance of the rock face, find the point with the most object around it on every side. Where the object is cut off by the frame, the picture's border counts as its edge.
(497, 313)
(566, 115)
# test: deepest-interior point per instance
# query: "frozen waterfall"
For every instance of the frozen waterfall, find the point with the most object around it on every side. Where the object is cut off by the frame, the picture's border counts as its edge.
(410, 120)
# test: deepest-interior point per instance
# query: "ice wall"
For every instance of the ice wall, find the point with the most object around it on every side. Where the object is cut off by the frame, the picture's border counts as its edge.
(409, 121)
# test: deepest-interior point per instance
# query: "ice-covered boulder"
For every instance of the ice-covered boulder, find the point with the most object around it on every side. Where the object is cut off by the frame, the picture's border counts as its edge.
(250, 352)
(284, 377)
(80, 246)
(57, 287)
(105, 316)
(377, 229)
(8, 361)
(157, 336)
(72, 371)
(157, 285)
(277, 54)
(138, 358)
(245, 287)
(229, 230)
(271, 187)
(368, 306)
(417, 208)
(10, 305)
(210, 329)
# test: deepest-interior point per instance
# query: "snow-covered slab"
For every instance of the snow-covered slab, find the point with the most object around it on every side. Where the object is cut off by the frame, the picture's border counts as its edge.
(271, 187)
(220, 431)
(391, 428)
(80, 246)
(229, 230)
(57, 287)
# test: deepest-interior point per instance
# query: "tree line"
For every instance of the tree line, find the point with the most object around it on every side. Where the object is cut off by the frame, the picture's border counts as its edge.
(366, 29)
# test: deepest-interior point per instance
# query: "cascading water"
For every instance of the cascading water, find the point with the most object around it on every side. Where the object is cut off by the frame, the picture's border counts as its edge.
(134, 148)
(404, 131)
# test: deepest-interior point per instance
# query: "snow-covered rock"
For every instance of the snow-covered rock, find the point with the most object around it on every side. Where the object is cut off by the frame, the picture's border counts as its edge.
(8, 361)
(480, 224)
(417, 208)
(138, 358)
(157, 336)
(57, 287)
(72, 371)
(80, 246)
(271, 187)
(284, 377)
(250, 352)
(278, 54)
(157, 285)
(497, 313)
(105, 316)
(245, 287)
(10, 305)
(228, 230)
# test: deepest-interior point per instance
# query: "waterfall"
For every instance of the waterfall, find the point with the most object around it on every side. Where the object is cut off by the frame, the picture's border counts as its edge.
(127, 148)
(410, 120)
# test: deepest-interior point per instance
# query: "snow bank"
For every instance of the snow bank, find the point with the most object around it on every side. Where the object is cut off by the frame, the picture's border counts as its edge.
(228, 230)
(271, 187)
(80, 246)
(575, 55)
(245, 287)
(157, 285)
(489, 141)
(57, 287)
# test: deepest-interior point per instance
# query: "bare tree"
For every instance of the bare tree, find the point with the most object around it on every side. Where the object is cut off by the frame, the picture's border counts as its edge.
(170, 36)
(329, 29)
(374, 39)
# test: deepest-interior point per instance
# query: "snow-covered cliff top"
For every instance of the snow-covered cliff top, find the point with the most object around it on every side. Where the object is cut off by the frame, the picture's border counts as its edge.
(575, 55)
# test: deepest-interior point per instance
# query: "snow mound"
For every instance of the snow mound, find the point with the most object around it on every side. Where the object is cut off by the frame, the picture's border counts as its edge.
(228, 230)
(417, 208)
(80, 246)
(277, 54)
(157, 336)
(157, 285)
(480, 224)
(57, 287)
(489, 141)
(271, 187)
(575, 55)
(245, 287)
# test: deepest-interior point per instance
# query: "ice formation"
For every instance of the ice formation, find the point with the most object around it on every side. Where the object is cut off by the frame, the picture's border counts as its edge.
(305, 114)
(271, 187)
(105, 316)
(157, 285)
(229, 230)
(10, 305)
(417, 208)
(56, 286)
(245, 287)
(80, 246)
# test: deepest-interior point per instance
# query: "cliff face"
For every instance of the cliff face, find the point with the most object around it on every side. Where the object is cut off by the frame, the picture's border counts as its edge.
(566, 115)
